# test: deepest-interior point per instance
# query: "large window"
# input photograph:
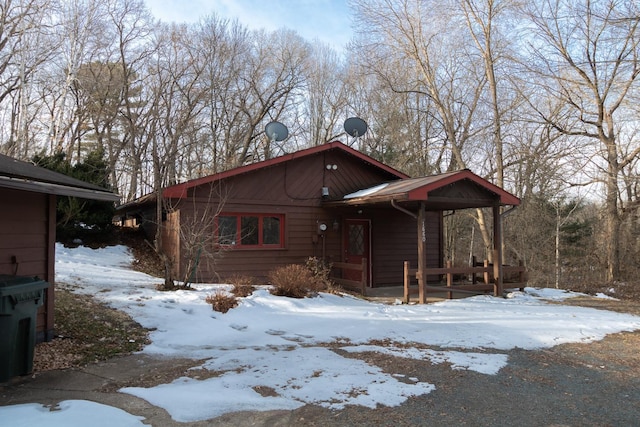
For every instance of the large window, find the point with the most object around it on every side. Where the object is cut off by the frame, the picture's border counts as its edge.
(251, 230)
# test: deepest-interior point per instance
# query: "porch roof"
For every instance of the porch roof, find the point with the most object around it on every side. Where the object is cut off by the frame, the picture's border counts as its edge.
(453, 190)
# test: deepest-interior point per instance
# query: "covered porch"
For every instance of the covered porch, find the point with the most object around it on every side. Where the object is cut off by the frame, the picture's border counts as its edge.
(420, 198)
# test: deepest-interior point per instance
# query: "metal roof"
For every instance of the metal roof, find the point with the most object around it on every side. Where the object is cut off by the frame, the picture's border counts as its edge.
(443, 191)
(25, 176)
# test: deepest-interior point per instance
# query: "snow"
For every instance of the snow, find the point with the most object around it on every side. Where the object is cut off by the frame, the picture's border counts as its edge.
(277, 343)
(366, 191)
(68, 413)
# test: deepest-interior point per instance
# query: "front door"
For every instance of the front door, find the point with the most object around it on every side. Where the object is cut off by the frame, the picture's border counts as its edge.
(356, 248)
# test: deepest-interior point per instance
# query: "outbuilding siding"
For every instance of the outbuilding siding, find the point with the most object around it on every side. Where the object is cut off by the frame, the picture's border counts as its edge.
(27, 244)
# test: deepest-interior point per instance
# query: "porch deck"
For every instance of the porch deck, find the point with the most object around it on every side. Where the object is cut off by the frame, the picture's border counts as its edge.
(476, 280)
(392, 294)
(462, 281)
(395, 294)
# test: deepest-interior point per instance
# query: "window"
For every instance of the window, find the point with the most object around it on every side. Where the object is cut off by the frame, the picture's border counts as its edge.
(356, 239)
(271, 230)
(251, 230)
(227, 230)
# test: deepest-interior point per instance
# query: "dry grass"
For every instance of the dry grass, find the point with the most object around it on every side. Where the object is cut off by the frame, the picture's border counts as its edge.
(629, 291)
(87, 331)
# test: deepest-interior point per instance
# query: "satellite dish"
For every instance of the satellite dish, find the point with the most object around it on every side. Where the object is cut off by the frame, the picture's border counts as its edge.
(355, 126)
(276, 131)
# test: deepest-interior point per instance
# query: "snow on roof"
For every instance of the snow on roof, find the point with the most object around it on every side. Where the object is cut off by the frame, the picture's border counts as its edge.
(366, 191)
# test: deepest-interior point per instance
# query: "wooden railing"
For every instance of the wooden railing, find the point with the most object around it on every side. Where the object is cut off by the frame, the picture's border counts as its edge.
(456, 279)
(359, 286)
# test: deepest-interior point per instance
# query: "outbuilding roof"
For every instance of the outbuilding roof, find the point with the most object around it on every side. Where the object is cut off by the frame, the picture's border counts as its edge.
(29, 177)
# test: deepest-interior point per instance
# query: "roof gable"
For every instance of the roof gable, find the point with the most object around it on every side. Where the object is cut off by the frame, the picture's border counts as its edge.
(178, 191)
(452, 190)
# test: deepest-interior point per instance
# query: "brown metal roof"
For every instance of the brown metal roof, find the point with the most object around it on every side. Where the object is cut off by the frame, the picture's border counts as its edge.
(453, 190)
(28, 177)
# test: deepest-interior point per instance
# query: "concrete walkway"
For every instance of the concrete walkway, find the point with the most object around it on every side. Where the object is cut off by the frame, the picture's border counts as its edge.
(100, 383)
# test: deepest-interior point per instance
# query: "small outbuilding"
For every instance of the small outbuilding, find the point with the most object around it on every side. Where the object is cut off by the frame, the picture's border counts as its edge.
(28, 225)
(332, 202)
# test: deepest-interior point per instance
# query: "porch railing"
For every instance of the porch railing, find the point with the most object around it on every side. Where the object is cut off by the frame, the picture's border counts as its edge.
(461, 280)
(359, 286)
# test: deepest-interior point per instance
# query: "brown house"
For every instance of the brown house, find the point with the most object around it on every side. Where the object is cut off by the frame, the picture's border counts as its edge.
(28, 224)
(328, 201)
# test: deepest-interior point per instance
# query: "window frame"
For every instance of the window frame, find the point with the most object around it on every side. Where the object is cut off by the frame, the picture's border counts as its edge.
(238, 237)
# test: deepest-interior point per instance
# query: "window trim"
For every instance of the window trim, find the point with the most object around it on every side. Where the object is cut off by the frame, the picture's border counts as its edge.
(238, 238)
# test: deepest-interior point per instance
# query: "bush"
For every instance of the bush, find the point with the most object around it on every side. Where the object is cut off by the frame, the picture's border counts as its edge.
(320, 270)
(222, 302)
(295, 281)
(243, 286)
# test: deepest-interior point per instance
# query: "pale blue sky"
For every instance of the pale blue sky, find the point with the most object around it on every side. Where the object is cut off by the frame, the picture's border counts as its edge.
(326, 20)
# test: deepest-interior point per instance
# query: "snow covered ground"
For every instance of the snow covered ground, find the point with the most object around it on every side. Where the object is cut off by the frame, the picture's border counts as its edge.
(274, 342)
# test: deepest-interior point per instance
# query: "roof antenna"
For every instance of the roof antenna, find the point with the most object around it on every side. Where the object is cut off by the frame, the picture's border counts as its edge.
(355, 126)
(276, 131)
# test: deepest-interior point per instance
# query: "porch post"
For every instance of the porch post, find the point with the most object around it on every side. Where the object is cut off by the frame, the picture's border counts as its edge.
(497, 252)
(422, 254)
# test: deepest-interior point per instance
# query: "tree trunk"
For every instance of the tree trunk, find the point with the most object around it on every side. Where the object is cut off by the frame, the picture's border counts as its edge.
(157, 242)
(557, 252)
(486, 236)
(612, 220)
(169, 282)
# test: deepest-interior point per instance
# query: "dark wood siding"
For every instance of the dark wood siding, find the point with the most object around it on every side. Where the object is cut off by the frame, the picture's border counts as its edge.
(293, 189)
(299, 181)
(394, 239)
(301, 241)
(350, 175)
(27, 236)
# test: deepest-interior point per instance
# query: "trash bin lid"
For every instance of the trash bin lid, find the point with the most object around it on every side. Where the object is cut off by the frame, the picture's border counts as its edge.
(11, 285)
(7, 280)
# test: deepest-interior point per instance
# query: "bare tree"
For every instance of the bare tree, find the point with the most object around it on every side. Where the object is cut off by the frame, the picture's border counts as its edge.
(586, 57)
(197, 232)
(131, 49)
(267, 84)
(327, 95)
(25, 48)
(408, 36)
(81, 41)
(178, 96)
(482, 18)
(222, 47)
(174, 100)
(411, 50)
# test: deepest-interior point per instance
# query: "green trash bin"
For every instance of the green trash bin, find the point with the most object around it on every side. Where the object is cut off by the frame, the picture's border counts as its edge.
(20, 298)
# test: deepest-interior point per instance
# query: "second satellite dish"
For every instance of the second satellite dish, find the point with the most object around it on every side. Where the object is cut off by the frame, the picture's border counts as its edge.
(355, 126)
(276, 131)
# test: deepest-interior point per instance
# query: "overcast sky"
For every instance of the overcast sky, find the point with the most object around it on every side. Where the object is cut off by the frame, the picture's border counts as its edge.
(326, 20)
